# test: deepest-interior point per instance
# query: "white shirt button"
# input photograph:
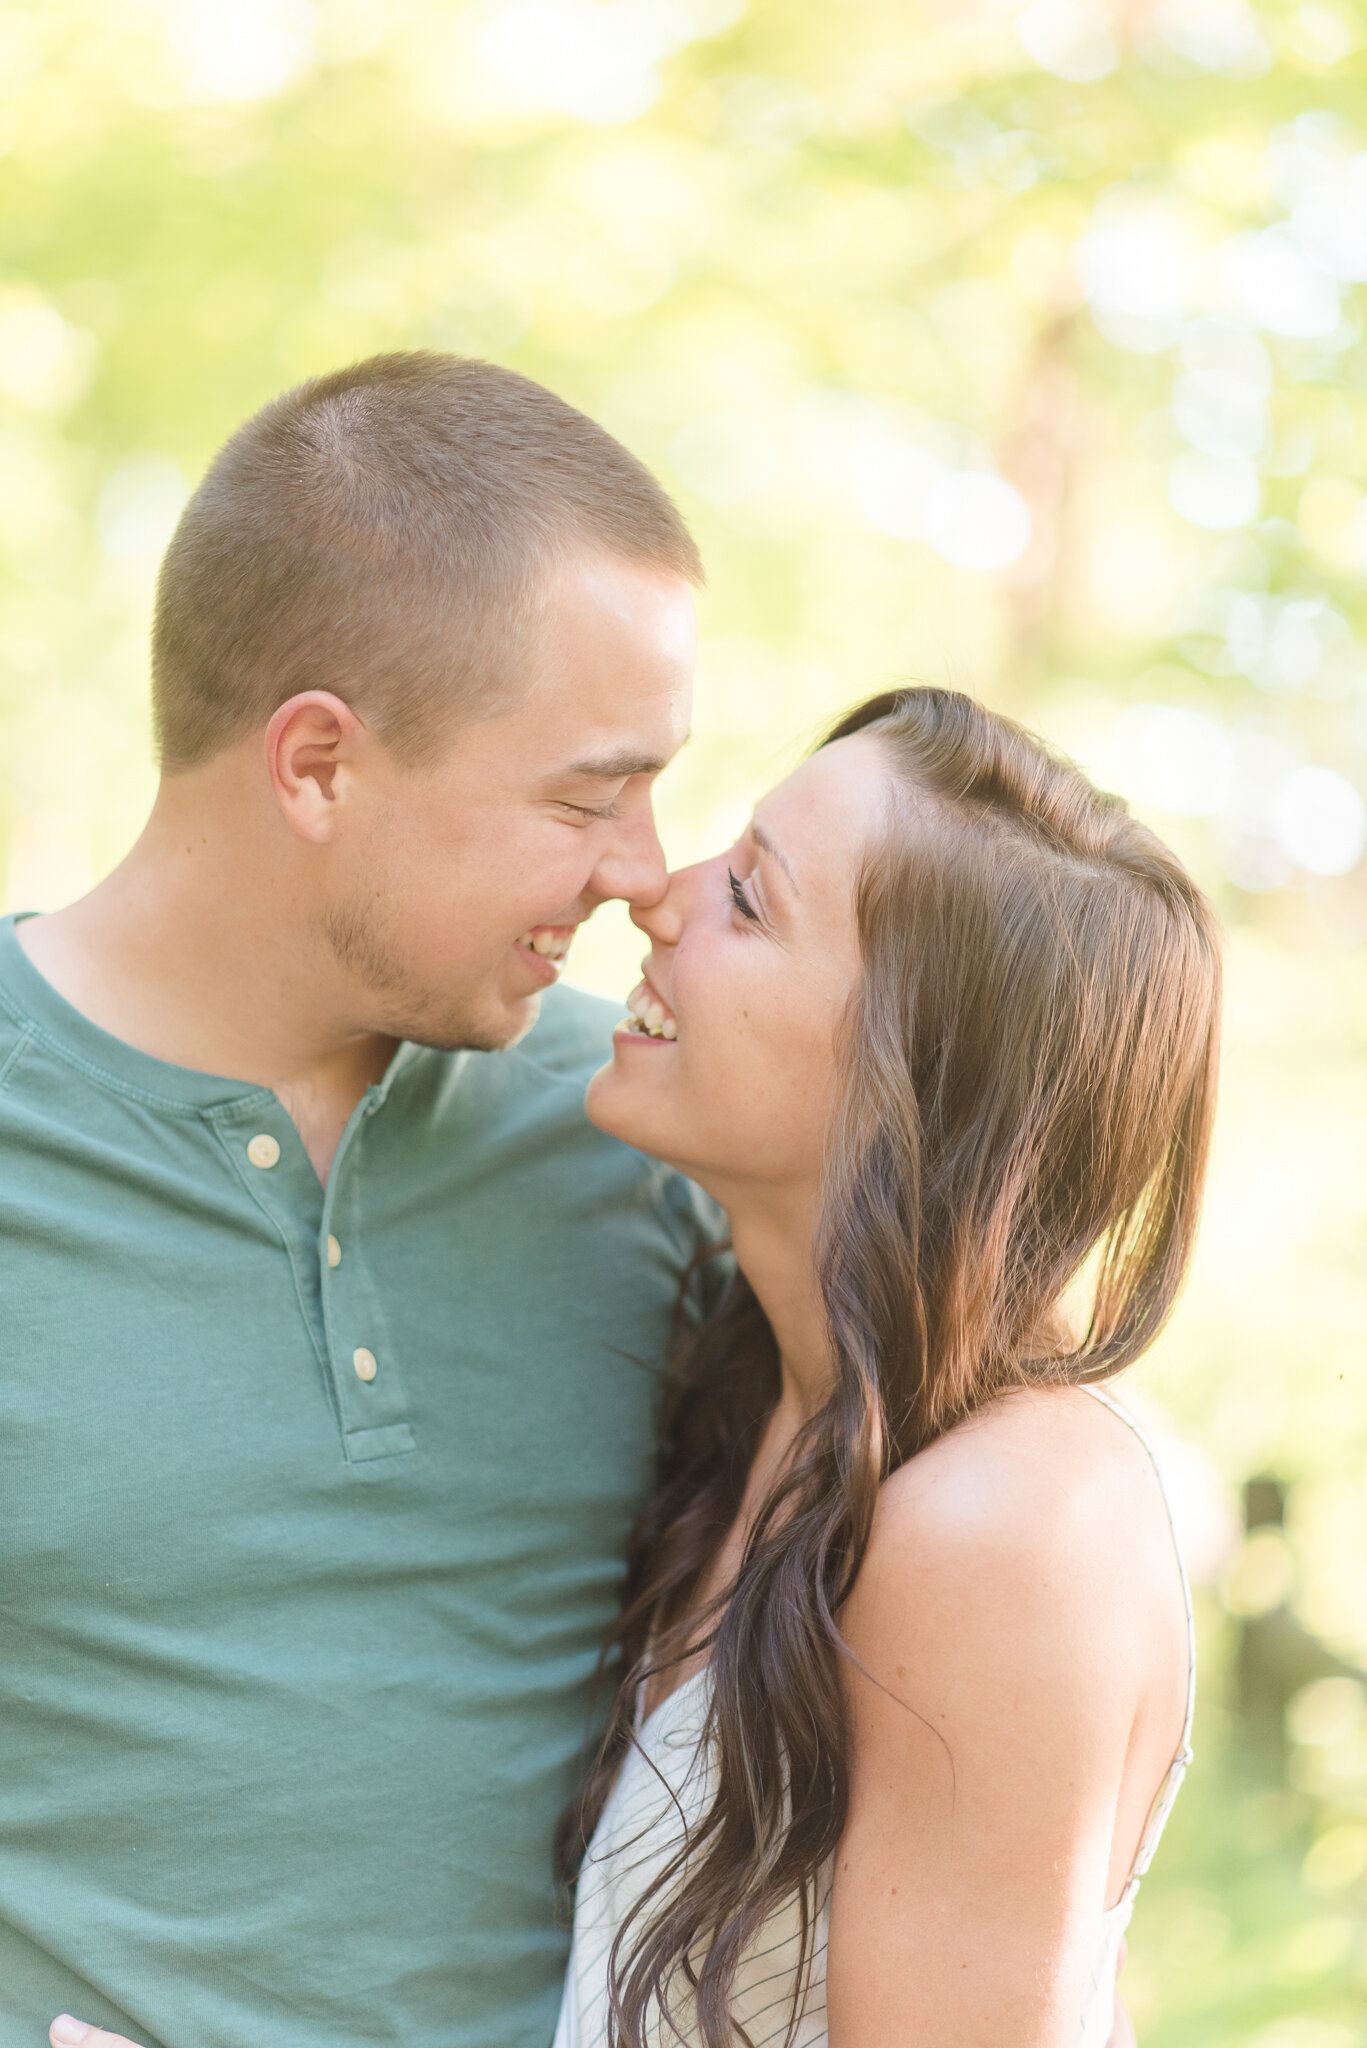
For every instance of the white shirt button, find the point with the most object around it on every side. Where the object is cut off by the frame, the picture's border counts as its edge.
(263, 1150)
(334, 1252)
(364, 1362)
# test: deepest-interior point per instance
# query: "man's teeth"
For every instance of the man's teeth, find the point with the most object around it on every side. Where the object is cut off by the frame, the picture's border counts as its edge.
(648, 1016)
(551, 945)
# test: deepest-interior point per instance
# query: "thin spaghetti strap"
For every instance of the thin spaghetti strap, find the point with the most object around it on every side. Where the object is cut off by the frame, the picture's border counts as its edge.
(1168, 1790)
(1137, 1429)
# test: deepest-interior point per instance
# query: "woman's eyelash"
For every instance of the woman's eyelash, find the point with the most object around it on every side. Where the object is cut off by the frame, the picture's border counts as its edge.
(740, 899)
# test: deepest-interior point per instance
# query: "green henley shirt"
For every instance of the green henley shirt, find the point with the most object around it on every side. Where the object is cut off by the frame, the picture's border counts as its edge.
(312, 1510)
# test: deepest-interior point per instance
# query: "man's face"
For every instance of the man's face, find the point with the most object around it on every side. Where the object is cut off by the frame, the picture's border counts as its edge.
(455, 897)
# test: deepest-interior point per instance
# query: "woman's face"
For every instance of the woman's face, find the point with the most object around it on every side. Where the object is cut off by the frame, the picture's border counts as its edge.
(754, 956)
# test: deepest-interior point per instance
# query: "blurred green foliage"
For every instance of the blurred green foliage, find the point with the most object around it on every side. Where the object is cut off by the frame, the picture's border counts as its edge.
(1017, 346)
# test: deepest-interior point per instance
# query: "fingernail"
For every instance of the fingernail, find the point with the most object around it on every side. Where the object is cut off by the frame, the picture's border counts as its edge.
(66, 2032)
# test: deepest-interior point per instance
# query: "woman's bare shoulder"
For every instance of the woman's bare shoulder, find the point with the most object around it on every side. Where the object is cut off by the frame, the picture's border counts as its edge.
(1039, 1517)
(1038, 1466)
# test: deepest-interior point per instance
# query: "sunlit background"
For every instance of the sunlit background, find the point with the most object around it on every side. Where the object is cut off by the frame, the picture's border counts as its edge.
(1017, 347)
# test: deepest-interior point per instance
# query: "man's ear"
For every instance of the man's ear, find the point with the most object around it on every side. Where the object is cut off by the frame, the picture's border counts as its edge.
(311, 745)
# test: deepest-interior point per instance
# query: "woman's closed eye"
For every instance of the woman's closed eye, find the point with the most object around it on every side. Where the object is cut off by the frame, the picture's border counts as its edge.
(740, 899)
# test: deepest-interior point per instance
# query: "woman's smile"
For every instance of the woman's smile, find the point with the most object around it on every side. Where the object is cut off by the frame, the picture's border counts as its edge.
(648, 1016)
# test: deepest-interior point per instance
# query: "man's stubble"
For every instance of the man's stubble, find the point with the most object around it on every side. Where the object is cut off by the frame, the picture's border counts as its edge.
(407, 1008)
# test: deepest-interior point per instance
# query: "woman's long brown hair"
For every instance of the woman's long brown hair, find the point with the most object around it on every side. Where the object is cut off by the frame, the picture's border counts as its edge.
(1028, 1079)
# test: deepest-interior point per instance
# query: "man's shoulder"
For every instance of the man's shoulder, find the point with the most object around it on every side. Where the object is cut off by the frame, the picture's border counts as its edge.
(531, 1091)
(16, 1036)
(570, 1041)
(572, 1037)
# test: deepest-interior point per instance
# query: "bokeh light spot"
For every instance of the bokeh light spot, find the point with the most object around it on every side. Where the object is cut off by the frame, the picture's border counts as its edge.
(1337, 1858)
(1215, 35)
(1328, 1711)
(892, 483)
(1218, 492)
(723, 456)
(1261, 1574)
(596, 59)
(241, 49)
(45, 364)
(976, 521)
(1321, 820)
(1178, 759)
(1137, 265)
(139, 506)
(1069, 38)
(1273, 283)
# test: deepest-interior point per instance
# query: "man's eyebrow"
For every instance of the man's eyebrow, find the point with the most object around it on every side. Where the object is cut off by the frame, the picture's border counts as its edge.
(766, 845)
(616, 767)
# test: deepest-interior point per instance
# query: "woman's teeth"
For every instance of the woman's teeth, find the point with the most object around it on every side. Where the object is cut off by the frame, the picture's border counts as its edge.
(647, 1015)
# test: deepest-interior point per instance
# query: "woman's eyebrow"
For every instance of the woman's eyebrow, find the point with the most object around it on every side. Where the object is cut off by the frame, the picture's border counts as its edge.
(766, 845)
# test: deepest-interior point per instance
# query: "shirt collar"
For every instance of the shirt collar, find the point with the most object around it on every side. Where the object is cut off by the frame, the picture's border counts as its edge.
(32, 1000)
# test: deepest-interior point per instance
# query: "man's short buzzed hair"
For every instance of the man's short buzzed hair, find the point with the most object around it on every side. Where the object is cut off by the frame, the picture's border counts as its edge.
(384, 532)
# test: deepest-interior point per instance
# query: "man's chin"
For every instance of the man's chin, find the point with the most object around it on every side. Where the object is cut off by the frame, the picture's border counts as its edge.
(492, 1012)
(505, 1024)
(521, 1016)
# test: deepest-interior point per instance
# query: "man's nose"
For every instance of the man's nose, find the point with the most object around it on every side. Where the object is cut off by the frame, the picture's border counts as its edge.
(633, 866)
(661, 921)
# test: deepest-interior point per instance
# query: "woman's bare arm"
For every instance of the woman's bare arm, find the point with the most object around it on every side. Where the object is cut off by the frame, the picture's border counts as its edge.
(1017, 1694)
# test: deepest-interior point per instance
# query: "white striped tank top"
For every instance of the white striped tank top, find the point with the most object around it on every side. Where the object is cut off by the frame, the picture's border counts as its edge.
(665, 1787)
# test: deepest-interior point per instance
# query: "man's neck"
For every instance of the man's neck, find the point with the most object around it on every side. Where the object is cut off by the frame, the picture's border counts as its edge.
(193, 951)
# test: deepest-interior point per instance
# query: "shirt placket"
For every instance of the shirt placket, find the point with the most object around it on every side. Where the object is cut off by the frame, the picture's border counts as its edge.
(323, 1236)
